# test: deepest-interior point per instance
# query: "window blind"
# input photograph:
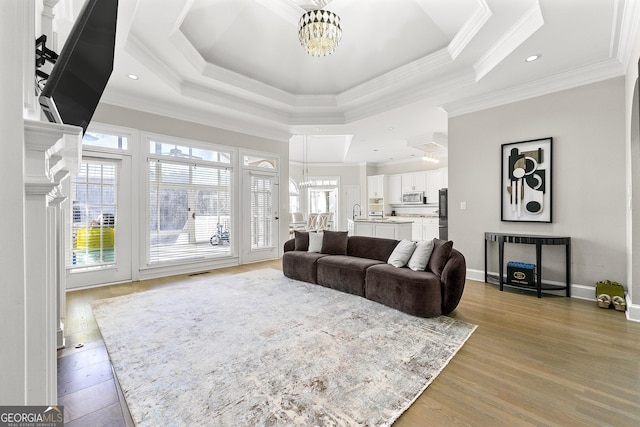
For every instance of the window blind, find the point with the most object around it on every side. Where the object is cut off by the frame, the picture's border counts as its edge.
(261, 212)
(189, 211)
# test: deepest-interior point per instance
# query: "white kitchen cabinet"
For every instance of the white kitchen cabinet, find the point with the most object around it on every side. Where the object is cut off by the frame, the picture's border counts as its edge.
(434, 183)
(414, 181)
(394, 189)
(430, 228)
(444, 172)
(376, 186)
(385, 229)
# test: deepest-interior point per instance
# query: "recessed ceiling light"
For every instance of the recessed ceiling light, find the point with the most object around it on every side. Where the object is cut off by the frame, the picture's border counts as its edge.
(533, 58)
(317, 129)
(132, 76)
(390, 128)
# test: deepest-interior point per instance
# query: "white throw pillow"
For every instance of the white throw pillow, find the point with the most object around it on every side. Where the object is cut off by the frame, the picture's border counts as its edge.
(315, 241)
(402, 253)
(420, 257)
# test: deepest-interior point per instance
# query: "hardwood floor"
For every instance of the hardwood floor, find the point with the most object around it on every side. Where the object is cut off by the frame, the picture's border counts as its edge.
(552, 361)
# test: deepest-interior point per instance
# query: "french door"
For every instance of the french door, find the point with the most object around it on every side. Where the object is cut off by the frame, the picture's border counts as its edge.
(261, 241)
(99, 223)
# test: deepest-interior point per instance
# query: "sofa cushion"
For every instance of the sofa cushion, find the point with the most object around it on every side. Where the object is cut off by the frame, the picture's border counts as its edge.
(417, 293)
(371, 247)
(440, 255)
(315, 241)
(344, 273)
(420, 257)
(402, 253)
(335, 242)
(301, 265)
(301, 239)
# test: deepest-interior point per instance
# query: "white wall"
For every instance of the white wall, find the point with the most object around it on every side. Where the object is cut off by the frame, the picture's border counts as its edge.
(587, 126)
(13, 305)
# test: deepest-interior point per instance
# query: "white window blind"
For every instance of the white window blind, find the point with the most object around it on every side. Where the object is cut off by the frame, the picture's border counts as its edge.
(94, 216)
(261, 212)
(189, 211)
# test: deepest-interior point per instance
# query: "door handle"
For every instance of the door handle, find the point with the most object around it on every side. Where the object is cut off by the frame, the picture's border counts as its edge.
(193, 215)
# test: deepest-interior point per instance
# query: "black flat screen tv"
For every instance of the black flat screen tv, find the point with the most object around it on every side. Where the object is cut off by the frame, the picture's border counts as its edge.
(82, 70)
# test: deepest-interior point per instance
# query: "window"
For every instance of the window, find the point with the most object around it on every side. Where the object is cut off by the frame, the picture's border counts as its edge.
(189, 209)
(103, 140)
(261, 212)
(260, 162)
(294, 196)
(94, 215)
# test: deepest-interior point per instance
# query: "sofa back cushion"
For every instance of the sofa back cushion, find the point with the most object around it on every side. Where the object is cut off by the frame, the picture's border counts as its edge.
(371, 247)
(440, 255)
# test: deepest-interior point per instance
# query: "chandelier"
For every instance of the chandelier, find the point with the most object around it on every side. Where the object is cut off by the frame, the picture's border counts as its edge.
(319, 32)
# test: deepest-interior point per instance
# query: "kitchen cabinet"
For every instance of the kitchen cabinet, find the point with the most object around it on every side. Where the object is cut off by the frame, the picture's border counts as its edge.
(430, 228)
(382, 228)
(414, 181)
(394, 189)
(444, 172)
(434, 183)
(376, 186)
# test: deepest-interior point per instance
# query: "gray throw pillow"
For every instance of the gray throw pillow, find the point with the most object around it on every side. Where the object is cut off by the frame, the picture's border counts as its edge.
(315, 241)
(420, 257)
(401, 254)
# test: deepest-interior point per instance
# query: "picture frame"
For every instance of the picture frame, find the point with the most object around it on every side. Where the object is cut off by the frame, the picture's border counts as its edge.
(526, 182)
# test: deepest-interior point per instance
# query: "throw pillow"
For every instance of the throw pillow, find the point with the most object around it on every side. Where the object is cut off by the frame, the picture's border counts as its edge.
(440, 255)
(401, 254)
(301, 242)
(335, 242)
(315, 241)
(420, 257)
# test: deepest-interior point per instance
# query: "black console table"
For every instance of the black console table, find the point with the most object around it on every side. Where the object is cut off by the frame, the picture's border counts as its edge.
(529, 239)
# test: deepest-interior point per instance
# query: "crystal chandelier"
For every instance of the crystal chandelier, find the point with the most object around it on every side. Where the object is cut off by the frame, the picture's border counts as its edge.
(319, 32)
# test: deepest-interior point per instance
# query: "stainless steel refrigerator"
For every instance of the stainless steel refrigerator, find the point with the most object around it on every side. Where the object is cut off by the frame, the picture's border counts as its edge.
(443, 213)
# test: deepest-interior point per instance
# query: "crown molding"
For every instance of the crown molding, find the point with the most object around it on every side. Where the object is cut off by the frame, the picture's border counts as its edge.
(216, 118)
(629, 28)
(470, 28)
(136, 48)
(594, 73)
(530, 22)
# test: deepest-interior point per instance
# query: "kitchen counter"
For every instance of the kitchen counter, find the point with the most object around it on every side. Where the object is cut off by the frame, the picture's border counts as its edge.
(385, 220)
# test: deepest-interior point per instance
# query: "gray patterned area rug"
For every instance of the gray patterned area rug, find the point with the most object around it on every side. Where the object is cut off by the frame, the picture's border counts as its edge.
(261, 349)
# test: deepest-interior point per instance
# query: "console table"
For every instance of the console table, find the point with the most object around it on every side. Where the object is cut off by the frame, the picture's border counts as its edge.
(529, 239)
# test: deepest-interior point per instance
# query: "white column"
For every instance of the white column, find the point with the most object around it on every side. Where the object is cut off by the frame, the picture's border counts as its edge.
(52, 151)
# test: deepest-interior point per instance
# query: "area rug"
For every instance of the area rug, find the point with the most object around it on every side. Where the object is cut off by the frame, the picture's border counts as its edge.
(261, 349)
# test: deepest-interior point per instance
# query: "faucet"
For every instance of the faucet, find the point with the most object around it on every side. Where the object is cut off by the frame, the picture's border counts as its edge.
(354, 211)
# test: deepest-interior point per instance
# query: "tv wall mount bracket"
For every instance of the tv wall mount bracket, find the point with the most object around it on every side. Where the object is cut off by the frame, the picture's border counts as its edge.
(43, 54)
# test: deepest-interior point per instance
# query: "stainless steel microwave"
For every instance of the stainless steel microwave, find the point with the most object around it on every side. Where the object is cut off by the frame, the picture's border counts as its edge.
(413, 198)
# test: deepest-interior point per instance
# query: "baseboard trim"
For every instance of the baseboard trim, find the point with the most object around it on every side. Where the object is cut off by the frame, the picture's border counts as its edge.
(633, 310)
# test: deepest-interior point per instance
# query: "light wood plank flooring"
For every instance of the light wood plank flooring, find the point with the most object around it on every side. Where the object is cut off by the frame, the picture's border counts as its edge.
(553, 361)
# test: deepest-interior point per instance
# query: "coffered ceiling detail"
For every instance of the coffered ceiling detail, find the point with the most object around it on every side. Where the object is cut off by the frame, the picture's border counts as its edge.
(401, 64)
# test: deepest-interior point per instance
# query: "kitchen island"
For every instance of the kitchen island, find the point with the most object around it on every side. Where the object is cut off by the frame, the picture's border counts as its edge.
(380, 228)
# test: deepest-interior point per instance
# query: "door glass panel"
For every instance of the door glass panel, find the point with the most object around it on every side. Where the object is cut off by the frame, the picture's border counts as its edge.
(262, 227)
(94, 215)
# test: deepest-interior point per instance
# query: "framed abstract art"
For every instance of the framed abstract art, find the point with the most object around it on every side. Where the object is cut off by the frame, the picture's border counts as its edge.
(526, 181)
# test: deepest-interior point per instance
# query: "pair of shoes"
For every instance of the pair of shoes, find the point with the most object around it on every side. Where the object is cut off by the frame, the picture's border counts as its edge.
(619, 303)
(604, 301)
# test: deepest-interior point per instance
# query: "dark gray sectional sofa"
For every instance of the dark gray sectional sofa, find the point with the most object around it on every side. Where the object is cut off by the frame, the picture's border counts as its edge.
(358, 265)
